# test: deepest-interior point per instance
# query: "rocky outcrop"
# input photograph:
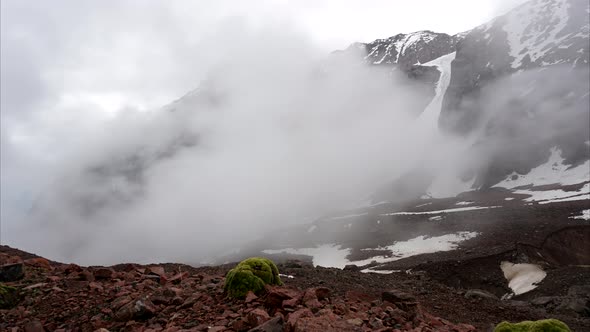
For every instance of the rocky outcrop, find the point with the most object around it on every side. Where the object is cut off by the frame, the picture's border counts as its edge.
(539, 33)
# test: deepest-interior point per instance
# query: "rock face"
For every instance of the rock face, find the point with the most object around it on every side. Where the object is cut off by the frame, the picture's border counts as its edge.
(406, 50)
(540, 33)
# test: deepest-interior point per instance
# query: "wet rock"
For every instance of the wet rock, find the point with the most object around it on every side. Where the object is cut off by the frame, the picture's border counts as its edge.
(272, 325)
(479, 293)
(11, 272)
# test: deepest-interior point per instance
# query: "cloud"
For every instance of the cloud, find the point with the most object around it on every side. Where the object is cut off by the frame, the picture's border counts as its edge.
(91, 171)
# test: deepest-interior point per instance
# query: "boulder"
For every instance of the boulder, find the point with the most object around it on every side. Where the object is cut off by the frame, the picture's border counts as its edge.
(273, 325)
(479, 293)
(11, 272)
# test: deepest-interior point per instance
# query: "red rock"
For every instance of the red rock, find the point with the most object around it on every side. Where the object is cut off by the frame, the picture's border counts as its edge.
(38, 262)
(273, 325)
(240, 324)
(103, 273)
(177, 278)
(359, 296)
(323, 293)
(291, 303)
(95, 286)
(139, 309)
(34, 326)
(217, 329)
(276, 295)
(157, 270)
(327, 321)
(257, 317)
(120, 301)
(313, 304)
(296, 316)
(250, 297)
(86, 275)
(53, 278)
(72, 268)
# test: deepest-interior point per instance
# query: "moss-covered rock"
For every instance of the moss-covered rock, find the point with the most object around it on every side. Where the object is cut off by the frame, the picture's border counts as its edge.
(9, 296)
(544, 325)
(251, 275)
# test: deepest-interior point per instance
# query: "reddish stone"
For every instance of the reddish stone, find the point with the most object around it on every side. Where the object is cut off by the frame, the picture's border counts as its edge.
(257, 317)
(359, 296)
(157, 270)
(250, 297)
(177, 278)
(95, 286)
(313, 304)
(103, 273)
(86, 276)
(276, 296)
(53, 278)
(34, 326)
(323, 293)
(38, 262)
(294, 317)
(72, 268)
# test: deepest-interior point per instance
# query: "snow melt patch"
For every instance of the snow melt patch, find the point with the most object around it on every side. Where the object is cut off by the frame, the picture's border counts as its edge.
(332, 255)
(585, 215)
(522, 278)
(441, 211)
(553, 171)
(327, 255)
(557, 195)
(417, 246)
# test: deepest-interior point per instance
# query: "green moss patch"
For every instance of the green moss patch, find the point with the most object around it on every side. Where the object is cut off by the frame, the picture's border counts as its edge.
(545, 325)
(9, 296)
(251, 275)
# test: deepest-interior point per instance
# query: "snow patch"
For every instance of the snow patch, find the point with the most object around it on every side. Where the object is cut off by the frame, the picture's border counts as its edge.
(418, 245)
(441, 211)
(332, 255)
(553, 171)
(432, 112)
(585, 215)
(557, 195)
(522, 278)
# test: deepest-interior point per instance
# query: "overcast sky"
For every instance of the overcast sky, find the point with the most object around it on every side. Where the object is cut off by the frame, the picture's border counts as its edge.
(68, 65)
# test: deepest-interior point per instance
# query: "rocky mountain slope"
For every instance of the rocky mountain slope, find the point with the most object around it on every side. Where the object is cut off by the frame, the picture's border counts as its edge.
(51, 296)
